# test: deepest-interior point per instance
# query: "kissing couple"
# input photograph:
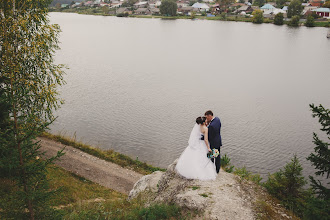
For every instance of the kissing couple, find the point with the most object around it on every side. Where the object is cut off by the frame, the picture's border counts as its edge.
(204, 137)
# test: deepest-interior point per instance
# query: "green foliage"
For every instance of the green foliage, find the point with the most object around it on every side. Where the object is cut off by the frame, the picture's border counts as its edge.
(287, 185)
(29, 80)
(225, 3)
(225, 164)
(259, 3)
(295, 8)
(294, 22)
(279, 19)
(258, 17)
(310, 21)
(321, 161)
(79, 198)
(223, 15)
(326, 4)
(280, 3)
(122, 14)
(168, 8)
(245, 174)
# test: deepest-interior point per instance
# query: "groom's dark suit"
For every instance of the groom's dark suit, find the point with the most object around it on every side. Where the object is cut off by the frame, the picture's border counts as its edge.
(215, 139)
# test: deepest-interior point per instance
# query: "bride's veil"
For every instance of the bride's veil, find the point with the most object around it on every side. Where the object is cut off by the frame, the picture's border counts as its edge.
(195, 136)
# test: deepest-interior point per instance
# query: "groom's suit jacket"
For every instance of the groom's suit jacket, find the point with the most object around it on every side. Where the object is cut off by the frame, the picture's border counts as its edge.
(214, 133)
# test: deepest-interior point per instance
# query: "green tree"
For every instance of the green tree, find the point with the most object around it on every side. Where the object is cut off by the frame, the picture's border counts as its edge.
(259, 3)
(105, 9)
(29, 80)
(224, 4)
(168, 8)
(258, 17)
(279, 19)
(294, 22)
(295, 8)
(326, 4)
(280, 3)
(310, 21)
(287, 185)
(321, 158)
(319, 207)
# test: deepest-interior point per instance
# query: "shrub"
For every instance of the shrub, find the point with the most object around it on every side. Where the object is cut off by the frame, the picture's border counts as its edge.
(278, 20)
(258, 17)
(310, 21)
(122, 14)
(287, 185)
(225, 164)
(294, 22)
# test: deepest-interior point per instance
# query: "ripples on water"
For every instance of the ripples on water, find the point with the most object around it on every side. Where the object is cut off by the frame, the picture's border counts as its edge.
(137, 85)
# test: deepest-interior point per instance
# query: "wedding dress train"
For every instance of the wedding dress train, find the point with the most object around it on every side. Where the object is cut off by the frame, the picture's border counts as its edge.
(193, 162)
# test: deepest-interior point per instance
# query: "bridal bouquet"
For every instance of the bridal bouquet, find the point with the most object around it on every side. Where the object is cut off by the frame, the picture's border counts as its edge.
(213, 154)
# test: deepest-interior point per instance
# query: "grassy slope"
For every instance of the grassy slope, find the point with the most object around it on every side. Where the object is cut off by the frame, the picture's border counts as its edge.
(78, 198)
(109, 155)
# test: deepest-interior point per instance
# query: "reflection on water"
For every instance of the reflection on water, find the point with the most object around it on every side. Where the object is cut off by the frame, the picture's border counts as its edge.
(137, 85)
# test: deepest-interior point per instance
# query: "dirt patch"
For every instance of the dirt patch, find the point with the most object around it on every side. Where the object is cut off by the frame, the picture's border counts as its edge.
(90, 167)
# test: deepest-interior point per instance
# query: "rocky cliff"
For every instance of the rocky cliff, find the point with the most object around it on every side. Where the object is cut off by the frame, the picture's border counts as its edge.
(227, 197)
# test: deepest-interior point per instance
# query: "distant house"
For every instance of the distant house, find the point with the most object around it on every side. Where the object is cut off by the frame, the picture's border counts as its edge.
(245, 9)
(143, 11)
(123, 10)
(215, 8)
(201, 6)
(187, 10)
(64, 5)
(308, 10)
(182, 4)
(89, 3)
(154, 4)
(322, 12)
(155, 11)
(317, 3)
(267, 8)
(116, 5)
(141, 5)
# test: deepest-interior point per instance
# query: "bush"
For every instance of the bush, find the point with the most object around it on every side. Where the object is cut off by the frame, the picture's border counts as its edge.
(258, 17)
(245, 174)
(310, 21)
(278, 20)
(287, 185)
(225, 164)
(122, 14)
(294, 22)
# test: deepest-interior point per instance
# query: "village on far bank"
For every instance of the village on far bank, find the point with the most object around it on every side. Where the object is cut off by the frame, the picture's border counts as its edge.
(318, 9)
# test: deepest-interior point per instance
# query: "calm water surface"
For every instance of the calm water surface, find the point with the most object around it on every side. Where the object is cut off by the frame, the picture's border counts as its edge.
(137, 85)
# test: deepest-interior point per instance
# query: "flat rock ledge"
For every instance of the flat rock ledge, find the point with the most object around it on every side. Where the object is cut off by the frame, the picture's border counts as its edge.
(222, 198)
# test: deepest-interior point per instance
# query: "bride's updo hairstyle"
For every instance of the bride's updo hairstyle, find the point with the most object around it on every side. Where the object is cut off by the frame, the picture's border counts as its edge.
(200, 120)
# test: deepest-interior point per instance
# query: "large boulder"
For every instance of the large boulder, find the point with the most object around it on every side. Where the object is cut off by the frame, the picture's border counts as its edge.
(218, 199)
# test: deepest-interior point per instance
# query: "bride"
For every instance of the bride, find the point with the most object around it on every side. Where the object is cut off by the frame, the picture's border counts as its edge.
(193, 162)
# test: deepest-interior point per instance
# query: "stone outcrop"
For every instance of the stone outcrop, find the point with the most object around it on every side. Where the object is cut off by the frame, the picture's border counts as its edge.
(218, 199)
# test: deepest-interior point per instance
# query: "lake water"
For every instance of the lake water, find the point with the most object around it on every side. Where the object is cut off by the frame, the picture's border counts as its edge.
(137, 85)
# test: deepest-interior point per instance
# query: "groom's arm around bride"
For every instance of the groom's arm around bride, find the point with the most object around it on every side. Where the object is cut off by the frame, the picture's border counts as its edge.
(214, 135)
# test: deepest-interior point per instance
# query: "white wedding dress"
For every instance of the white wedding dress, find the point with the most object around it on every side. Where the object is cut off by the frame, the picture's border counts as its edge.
(193, 162)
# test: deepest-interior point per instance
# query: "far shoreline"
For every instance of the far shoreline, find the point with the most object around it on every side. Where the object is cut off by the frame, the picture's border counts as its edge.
(233, 18)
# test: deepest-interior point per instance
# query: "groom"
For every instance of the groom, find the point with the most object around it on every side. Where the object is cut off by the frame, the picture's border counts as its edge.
(214, 135)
